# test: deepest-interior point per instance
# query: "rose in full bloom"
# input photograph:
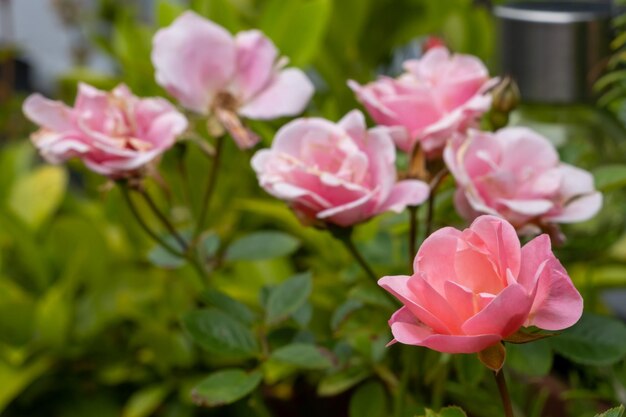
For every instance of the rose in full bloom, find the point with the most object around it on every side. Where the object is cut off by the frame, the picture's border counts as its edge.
(114, 133)
(437, 95)
(213, 73)
(471, 289)
(337, 173)
(515, 173)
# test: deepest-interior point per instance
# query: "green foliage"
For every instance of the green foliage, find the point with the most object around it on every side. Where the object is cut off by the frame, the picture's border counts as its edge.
(302, 356)
(594, 340)
(286, 298)
(369, 400)
(613, 412)
(225, 387)
(262, 245)
(220, 333)
(446, 412)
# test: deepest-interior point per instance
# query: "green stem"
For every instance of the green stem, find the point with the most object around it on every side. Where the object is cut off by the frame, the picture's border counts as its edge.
(144, 225)
(413, 226)
(345, 237)
(210, 188)
(504, 393)
(164, 220)
(434, 186)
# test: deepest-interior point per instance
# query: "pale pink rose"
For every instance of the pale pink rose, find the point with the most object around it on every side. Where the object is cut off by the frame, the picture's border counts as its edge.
(471, 289)
(515, 173)
(114, 133)
(436, 96)
(338, 173)
(213, 73)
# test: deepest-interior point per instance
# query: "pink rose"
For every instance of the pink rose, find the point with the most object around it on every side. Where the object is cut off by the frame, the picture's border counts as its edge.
(211, 72)
(515, 173)
(438, 95)
(338, 173)
(114, 133)
(473, 288)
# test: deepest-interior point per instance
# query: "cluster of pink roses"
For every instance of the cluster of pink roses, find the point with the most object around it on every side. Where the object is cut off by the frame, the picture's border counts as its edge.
(470, 289)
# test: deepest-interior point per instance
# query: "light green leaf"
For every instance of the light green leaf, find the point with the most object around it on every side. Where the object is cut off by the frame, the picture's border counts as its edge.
(36, 196)
(594, 340)
(613, 412)
(446, 412)
(167, 11)
(15, 380)
(302, 356)
(610, 177)
(222, 12)
(262, 245)
(225, 387)
(297, 27)
(288, 297)
(144, 402)
(53, 317)
(369, 400)
(220, 333)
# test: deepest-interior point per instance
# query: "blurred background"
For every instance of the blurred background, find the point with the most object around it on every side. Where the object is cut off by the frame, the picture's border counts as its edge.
(90, 310)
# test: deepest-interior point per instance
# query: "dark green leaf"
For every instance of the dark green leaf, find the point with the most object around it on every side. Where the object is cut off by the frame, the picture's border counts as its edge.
(337, 383)
(262, 245)
(469, 370)
(288, 297)
(240, 311)
(225, 387)
(220, 333)
(302, 356)
(369, 400)
(534, 359)
(594, 340)
(343, 311)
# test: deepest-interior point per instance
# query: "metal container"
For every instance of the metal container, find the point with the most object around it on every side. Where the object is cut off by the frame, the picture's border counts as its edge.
(555, 50)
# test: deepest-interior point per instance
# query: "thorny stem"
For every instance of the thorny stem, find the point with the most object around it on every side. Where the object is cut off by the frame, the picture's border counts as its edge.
(164, 220)
(204, 208)
(504, 393)
(144, 225)
(434, 186)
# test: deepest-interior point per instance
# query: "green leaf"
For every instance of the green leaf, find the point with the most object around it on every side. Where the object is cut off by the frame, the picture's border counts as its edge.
(446, 412)
(288, 297)
(533, 359)
(15, 380)
(343, 312)
(35, 197)
(613, 412)
(337, 383)
(222, 12)
(167, 11)
(220, 333)
(262, 245)
(302, 356)
(371, 294)
(297, 27)
(144, 402)
(53, 317)
(610, 177)
(225, 387)
(369, 400)
(594, 340)
(228, 305)
(469, 370)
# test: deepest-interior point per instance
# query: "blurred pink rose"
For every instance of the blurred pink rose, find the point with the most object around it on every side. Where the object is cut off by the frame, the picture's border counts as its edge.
(438, 95)
(114, 133)
(339, 173)
(211, 72)
(515, 173)
(473, 288)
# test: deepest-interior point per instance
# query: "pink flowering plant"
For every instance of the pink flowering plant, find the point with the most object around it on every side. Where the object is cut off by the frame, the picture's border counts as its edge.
(264, 226)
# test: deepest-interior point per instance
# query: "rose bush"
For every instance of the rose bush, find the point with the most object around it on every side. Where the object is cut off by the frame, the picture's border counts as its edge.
(339, 173)
(437, 95)
(471, 289)
(114, 134)
(515, 173)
